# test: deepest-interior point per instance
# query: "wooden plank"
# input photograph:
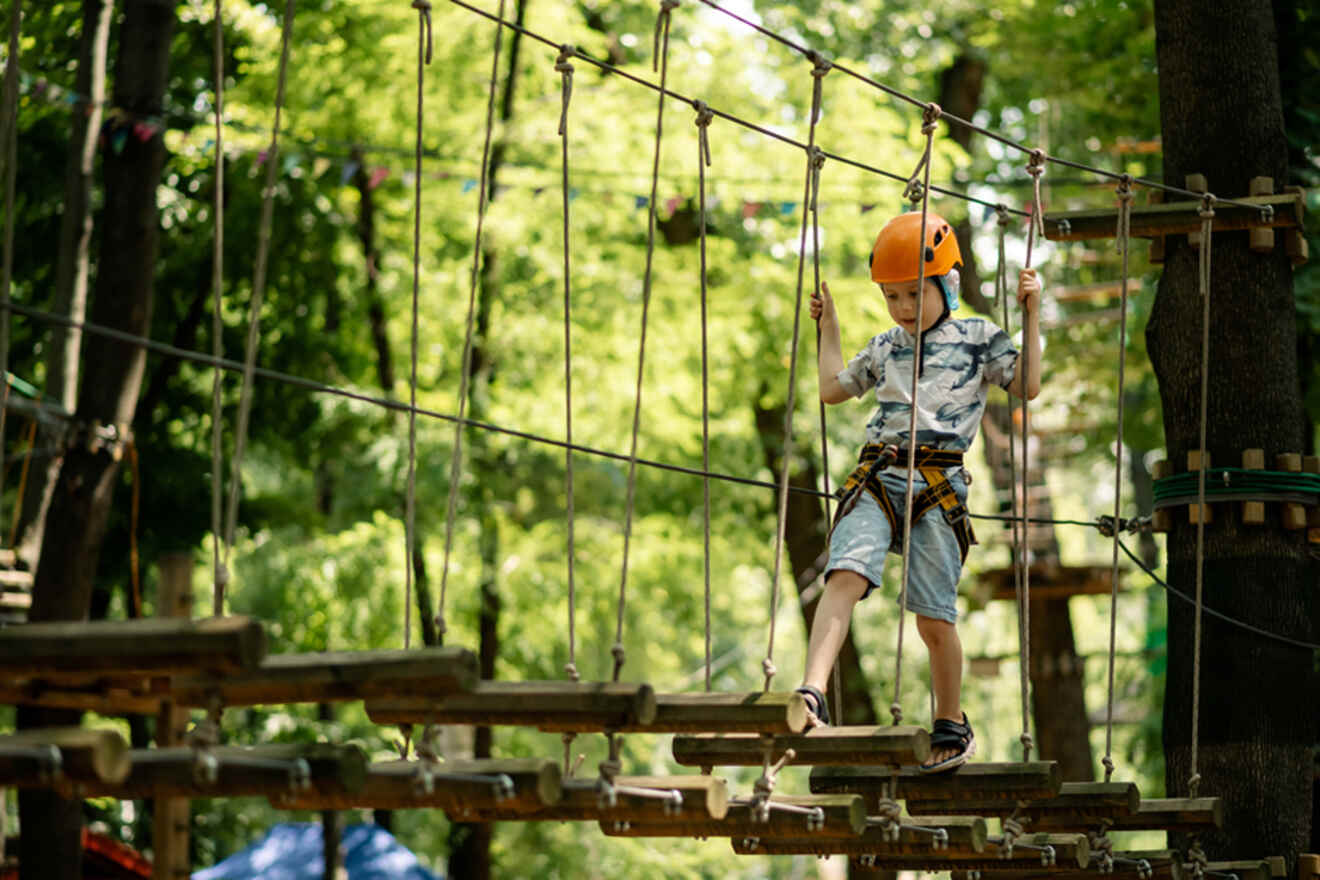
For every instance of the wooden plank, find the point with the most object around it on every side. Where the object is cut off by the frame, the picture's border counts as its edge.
(1294, 515)
(1051, 581)
(1082, 803)
(978, 781)
(915, 852)
(1196, 183)
(233, 771)
(562, 706)
(1245, 870)
(424, 673)
(1195, 461)
(884, 745)
(967, 838)
(97, 696)
(1176, 218)
(81, 650)
(1253, 512)
(756, 712)
(85, 754)
(13, 579)
(452, 786)
(1261, 241)
(1162, 865)
(1308, 865)
(839, 815)
(1158, 814)
(1161, 520)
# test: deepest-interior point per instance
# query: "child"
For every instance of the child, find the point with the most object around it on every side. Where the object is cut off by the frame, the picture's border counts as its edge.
(958, 360)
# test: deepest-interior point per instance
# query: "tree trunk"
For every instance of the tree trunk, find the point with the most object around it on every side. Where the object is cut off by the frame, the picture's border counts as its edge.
(366, 229)
(469, 843)
(72, 264)
(1221, 116)
(50, 847)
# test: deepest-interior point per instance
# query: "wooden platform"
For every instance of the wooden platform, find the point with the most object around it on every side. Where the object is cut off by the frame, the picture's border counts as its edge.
(980, 782)
(517, 784)
(1077, 803)
(826, 746)
(561, 706)
(423, 673)
(81, 650)
(828, 815)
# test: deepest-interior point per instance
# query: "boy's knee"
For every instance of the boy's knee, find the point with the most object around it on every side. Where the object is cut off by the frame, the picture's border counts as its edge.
(934, 631)
(848, 585)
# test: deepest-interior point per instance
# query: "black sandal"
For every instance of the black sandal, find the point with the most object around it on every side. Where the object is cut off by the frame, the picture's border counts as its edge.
(947, 734)
(815, 704)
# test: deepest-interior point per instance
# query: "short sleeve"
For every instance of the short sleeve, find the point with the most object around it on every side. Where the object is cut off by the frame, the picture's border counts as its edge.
(866, 369)
(1000, 357)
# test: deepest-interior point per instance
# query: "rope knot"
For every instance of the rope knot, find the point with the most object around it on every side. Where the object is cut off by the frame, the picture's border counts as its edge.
(768, 669)
(566, 54)
(914, 191)
(423, 8)
(704, 117)
(1124, 190)
(1001, 210)
(896, 712)
(1036, 164)
(820, 65)
(619, 653)
(930, 117)
(1108, 763)
(1207, 206)
(662, 27)
(564, 66)
(1193, 784)
(1198, 859)
(571, 670)
(1027, 743)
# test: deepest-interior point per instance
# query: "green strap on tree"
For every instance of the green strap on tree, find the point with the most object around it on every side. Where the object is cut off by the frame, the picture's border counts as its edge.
(1235, 483)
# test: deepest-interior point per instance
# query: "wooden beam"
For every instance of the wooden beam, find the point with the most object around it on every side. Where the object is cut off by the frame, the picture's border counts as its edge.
(100, 696)
(1162, 865)
(1050, 581)
(1159, 814)
(966, 838)
(562, 706)
(1245, 870)
(1177, 218)
(518, 784)
(85, 755)
(1079, 802)
(779, 712)
(791, 816)
(424, 673)
(914, 851)
(883, 745)
(81, 650)
(233, 771)
(979, 781)
(636, 799)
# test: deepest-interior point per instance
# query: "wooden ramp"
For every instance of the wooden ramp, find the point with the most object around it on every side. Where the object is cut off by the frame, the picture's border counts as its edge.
(819, 746)
(81, 650)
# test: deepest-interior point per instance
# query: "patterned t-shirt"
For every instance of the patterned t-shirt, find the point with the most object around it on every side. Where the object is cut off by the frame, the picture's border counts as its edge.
(961, 358)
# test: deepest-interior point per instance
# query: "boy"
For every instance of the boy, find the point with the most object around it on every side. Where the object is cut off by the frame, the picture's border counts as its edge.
(958, 358)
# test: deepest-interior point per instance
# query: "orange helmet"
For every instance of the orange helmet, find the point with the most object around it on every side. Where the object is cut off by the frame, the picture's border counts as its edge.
(894, 257)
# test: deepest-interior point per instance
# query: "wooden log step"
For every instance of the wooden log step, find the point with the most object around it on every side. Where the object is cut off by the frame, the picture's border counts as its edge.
(1162, 865)
(635, 799)
(980, 782)
(1078, 805)
(1157, 814)
(825, 815)
(967, 839)
(1068, 851)
(883, 745)
(44, 757)
(102, 697)
(236, 771)
(560, 706)
(519, 784)
(335, 676)
(1245, 870)
(81, 650)
(757, 712)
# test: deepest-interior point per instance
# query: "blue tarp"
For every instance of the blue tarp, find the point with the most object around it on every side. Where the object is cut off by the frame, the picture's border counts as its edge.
(293, 851)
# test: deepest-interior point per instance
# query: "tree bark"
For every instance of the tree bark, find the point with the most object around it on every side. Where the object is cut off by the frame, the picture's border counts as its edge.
(50, 846)
(366, 229)
(72, 264)
(1221, 116)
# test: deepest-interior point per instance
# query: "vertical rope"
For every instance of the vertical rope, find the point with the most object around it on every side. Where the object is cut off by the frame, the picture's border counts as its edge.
(1207, 235)
(1035, 168)
(704, 117)
(219, 574)
(424, 47)
(661, 59)
(1123, 234)
(456, 460)
(565, 68)
(916, 191)
(258, 294)
(9, 127)
(815, 158)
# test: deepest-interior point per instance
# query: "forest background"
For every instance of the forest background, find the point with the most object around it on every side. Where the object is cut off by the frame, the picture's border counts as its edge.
(322, 554)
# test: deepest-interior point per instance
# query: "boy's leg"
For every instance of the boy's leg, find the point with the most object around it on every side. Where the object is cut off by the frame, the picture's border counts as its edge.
(843, 590)
(946, 659)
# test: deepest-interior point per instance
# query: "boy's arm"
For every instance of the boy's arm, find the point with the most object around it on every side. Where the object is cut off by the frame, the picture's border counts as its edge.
(1029, 297)
(830, 358)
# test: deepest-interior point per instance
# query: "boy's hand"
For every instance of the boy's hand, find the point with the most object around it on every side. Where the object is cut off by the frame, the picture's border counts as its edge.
(1029, 291)
(822, 306)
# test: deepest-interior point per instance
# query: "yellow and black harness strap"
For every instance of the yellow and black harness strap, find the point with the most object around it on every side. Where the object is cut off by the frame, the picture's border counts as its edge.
(931, 463)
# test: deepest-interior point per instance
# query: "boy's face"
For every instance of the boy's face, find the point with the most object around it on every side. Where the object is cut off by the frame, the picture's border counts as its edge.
(901, 298)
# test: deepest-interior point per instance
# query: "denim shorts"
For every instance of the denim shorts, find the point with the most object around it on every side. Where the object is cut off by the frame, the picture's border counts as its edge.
(862, 539)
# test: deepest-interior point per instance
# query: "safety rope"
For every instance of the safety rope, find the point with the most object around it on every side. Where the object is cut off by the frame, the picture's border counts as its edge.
(1035, 168)
(1123, 234)
(254, 316)
(219, 574)
(423, 8)
(465, 367)
(564, 67)
(1207, 234)
(917, 191)
(820, 67)
(703, 121)
(9, 143)
(661, 59)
